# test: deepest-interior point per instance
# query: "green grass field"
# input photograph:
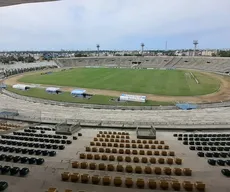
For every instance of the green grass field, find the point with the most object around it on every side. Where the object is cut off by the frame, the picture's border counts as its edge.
(66, 97)
(159, 82)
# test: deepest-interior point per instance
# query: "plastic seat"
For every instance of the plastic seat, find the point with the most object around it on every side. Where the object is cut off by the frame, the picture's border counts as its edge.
(156, 153)
(156, 142)
(95, 139)
(97, 157)
(103, 135)
(136, 159)
(187, 171)
(169, 161)
(74, 177)
(114, 132)
(159, 147)
(152, 160)
(144, 160)
(100, 132)
(85, 178)
(178, 161)
(164, 153)
(133, 141)
(117, 181)
(84, 165)
(96, 179)
(122, 145)
(104, 144)
(141, 152)
(108, 150)
(148, 170)
(162, 142)
(101, 166)
(120, 168)
(129, 169)
(139, 141)
(98, 144)
(164, 185)
(176, 185)
(107, 136)
(82, 156)
(140, 146)
(188, 186)
(112, 140)
(92, 166)
(104, 157)
(200, 186)
(146, 146)
(149, 153)
(110, 167)
(114, 150)
(89, 156)
(127, 151)
(138, 169)
(119, 158)
(122, 137)
(121, 151)
(106, 180)
(171, 153)
(112, 136)
(127, 145)
(127, 137)
(166, 147)
(153, 146)
(167, 171)
(92, 143)
(101, 150)
(128, 182)
(118, 136)
(177, 171)
(140, 183)
(94, 149)
(127, 141)
(111, 158)
(152, 184)
(52, 189)
(161, 160)
(134, 152)
(101, 139)
(128, 159)
(75, 164)
(65, 176)
(115, 145)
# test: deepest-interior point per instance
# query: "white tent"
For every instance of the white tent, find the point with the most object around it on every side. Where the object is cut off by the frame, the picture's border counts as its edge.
(53, 90)
(21, 87)
(135, 98)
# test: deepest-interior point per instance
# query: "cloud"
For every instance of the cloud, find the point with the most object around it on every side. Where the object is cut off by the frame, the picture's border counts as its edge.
(80, 24)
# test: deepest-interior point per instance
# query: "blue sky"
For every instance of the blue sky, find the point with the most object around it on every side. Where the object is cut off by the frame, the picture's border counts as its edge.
(115, 24)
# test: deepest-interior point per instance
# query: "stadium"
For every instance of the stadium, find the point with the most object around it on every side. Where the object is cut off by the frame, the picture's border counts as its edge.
(175, 138)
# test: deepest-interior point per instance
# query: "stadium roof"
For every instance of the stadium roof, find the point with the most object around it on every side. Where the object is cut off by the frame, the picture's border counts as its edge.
(15, 2)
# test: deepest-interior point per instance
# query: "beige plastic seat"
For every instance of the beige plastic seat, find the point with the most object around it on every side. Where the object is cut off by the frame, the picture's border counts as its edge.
(75, 164)
(96, 179)
(122, 136)
(127, 141)
(123, 133)
(111, 158)
(106, 180)
(103, 144)
(118, 136)
(178, 161)
(129, 169)
(177, 171)
(101, 166)
(94, 149)
(141, 152)
(164, 185)
(92, 166)
(84, 165)
(114, 132)
(103, 135)
(97, 157)
(148, 170)
(166, 147)
(127, 151)
(138, 169)
(107, 136)
(110, 167)
(128, 159)
(152, 160)
(110, 132)
(156, 142)
(149, 152)
(65, 176)
(161, 160)
(139, 141)
(104, 157)
(150, 142)
(187, 171)
(127, 145)
(111, 140)
(188, 186)
(200, 186)
(121, 151)
(82, 155)
(134, 152)
(134, 145)
(89, 156)
(169, 161)
(167, 171)
(114, 150)
(117, 181)
(99, 135)
(156, 153)
(119, 158)
(119, 133)
(85, 178)
(127, 137)
(144, 141)
(120, 168)
(98, 144)
(152, 184)
(122, 140)
(74, 177)
(157, 170)
(95, 139)
(176, 185)
(122, 145)
(112, 136)
(101, 139)
(171, 153)
(100, 132)
(164, 153)
(133, 141)
(107, 139)
(153, 146)
(140, 183)
(159, 147)
(108, 150)
(144, 160)
(146, 146)
(101, 150)
(129, 182)
(136, 159)
(105, 132)
(115, 145)
(140, 146)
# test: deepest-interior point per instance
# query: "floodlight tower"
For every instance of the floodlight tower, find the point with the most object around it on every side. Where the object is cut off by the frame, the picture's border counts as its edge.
(142, 48)
(98, 48)
(195, 43)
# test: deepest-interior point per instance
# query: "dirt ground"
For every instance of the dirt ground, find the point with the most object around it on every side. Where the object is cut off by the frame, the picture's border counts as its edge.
(223, 94)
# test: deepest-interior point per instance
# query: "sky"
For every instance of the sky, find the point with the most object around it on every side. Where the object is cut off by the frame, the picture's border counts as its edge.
(115, 25)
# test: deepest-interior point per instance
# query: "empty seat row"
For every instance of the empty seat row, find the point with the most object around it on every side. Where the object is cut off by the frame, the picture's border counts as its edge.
(226, 172)
(200, 148)
(133, 169)
(43, 128)
(14, 171)
(217, 143)
(130, 182)
(36, 145)
(113, 133)
(19, 159)
(213, 154)
(128, 145)
(203, 139)
(134, 159)
(129, 151)
(53, 189)
(35, 139)
(9, 125)
(40, 135)
(202, 135)
(28, 151)
(219, 162)
(114, 136)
